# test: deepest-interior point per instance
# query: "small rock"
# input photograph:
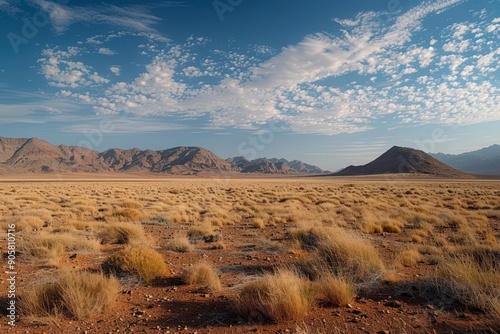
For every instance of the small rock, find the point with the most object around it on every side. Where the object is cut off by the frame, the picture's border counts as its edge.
(393, 303)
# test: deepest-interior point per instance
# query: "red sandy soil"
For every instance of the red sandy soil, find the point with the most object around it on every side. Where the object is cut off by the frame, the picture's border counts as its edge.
(168, 306)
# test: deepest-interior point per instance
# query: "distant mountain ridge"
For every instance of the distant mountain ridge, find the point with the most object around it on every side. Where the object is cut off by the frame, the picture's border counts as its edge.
(36, 155)
(403, 160)
(483, 161)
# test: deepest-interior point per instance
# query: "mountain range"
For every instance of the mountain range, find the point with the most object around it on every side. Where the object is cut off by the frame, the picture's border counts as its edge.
(485, 161)
(35, 155)
(403, 160)
(32, 155)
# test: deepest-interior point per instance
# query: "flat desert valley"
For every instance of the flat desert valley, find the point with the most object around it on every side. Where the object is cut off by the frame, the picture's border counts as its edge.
(252, 255)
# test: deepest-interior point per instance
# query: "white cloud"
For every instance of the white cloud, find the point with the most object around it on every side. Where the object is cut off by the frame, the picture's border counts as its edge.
(136, 18)
(116, 70)
(7, 7)
(456, 46)
(62, 72)
(415, 83)
(107, 51)
(122, 125)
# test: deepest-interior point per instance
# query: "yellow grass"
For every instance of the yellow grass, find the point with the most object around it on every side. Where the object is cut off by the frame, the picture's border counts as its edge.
(343, 252)
(202, 273)
(180, 244)
(278, 297)
(473, 279)
(50, 246)
(121, 233)
(141, 260)
(79, 294)
(335, 290)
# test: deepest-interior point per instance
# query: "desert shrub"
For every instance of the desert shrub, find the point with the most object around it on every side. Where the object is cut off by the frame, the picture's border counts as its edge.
(45, 246)
(126, 214)
(281, 296)
(140, 260)
(409, 258)
(391, 226)
(371, 228)
(25, 223)
(131, 204)
(77, 293)
(343, 252)
(198, 231)
(121, 233)
(180, 245)
(472, 279)
(202, 273)
(335, 290)
(258, 223)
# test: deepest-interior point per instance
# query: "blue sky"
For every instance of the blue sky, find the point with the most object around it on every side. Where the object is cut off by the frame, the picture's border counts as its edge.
(331, 83)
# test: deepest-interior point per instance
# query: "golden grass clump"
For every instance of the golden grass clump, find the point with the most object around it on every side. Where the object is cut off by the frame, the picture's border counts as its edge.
(281, 296)
(25, 223)
(409, 258)
(131, 204)
(126, 214)
(391, 226)
(343, 252)
(141, 260)
(77, 293)
(335, 290)
(199, 231)
(202, 273)
(472, 279)
(46, 246)
(180, 245)
(258, 223)
(121, 233)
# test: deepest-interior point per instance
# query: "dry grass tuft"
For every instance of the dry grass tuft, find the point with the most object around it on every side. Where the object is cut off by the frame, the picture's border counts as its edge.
(121, 233)
(335, 290)
(50, 246)
(141, 260)
(409, 258)
(25, 223)
(202, 273)
(343, 252)
(126, 214)
(472, 279)
(77, 293)
(281, 296)
(180, 245)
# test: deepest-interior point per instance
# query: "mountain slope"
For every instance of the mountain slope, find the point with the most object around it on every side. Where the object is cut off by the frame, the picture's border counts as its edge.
(35, 155)
(272, 166)
(403, 160)
(484, 161)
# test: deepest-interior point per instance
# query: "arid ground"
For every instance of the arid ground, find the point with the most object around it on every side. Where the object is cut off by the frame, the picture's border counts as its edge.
(294, 255)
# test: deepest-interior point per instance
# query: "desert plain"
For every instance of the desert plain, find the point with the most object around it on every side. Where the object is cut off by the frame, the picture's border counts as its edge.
(252, 255)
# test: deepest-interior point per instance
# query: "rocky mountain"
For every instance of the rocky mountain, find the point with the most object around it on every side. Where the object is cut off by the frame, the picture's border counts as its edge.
(35, 155)
(273, 166)
(485, 161)
(403, 160)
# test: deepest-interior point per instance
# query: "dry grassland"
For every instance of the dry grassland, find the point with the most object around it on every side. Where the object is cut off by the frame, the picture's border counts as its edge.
(315, 255)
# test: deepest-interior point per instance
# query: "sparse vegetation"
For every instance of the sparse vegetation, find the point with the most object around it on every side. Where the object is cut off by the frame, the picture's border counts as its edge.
(335, 290)
(180, 245)
(121, 233)
(77, 293)
(283, 295)
(336, 240)
(202, 273)
(141, 260)
(472, 279)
